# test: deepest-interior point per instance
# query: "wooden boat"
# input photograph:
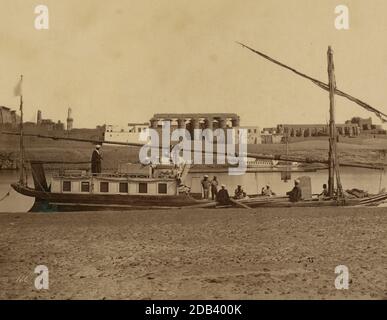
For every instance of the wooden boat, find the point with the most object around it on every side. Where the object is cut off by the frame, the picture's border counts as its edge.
(76, 190)
(283, 202)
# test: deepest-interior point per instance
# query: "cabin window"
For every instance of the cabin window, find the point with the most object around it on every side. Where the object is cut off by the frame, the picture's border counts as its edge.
(123, 187)
(85, 186)
(162, 188)
(104, 186)
(142, 187)
(67, 186)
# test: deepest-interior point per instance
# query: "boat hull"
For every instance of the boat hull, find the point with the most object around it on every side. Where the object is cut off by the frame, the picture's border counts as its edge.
(283, 202)
(49, 201)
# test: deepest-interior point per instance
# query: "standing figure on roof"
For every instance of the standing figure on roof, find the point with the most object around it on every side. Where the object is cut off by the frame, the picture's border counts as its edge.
(96, 160)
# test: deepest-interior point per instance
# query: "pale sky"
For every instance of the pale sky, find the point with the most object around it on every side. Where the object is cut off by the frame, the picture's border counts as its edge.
(122, 61)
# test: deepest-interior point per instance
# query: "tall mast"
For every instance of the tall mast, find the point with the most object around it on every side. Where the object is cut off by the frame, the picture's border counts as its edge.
(21, 179)
(333, 165)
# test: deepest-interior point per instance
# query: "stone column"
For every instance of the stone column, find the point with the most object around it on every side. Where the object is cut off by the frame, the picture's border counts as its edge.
(235, 122)
(195, 123)
(153, 123)
(222, 123)
(209, 124)
(181, 123)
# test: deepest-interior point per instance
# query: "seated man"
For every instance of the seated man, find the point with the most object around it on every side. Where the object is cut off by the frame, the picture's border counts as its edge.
(324, 192)
(295, 193)
(268, 192)
(238, 194)
(223, 197)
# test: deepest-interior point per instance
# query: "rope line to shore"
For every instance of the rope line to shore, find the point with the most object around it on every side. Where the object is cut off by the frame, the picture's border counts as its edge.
(8, 193)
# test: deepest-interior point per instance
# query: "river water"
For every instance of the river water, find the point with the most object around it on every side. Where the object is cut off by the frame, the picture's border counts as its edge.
(365, 179)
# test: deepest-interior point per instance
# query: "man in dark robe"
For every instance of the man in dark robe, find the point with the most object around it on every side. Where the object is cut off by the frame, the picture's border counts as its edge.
(295, 194)
(223, 198)
(96, 159)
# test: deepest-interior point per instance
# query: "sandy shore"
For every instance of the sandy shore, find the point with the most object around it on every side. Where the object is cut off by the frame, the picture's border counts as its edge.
(232, 254)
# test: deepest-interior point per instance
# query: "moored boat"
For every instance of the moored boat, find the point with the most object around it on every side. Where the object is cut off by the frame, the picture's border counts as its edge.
(74, 190)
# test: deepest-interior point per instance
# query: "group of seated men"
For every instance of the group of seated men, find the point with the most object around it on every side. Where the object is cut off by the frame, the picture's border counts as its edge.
(223, 198)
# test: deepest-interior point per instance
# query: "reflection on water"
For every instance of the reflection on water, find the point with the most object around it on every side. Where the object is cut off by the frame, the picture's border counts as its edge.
(15, 202)
(369, 180)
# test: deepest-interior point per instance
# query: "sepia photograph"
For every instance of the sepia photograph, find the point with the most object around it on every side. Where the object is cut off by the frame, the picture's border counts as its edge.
(193, 150)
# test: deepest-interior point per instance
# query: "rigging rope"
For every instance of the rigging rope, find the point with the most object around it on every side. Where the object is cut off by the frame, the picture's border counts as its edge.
(6, 195)
(382, 116)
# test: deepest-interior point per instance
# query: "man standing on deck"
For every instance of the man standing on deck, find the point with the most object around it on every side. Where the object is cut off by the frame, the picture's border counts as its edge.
(214, 187)
(295, 194)
(96, 159)
(206, 184)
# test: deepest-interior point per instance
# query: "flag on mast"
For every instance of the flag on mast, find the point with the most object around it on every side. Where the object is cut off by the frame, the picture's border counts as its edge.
(18, 90)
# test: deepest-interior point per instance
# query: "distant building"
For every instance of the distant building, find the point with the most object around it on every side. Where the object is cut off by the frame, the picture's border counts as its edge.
(69, 120)
(315, 130)
(188, 121)
(49, 125)
(192, 121)
(253, 134)
(39, 117)
(130, 133)
(271, 138)
(366, 125)
(44, 124)
(8, 117)
(271, 130)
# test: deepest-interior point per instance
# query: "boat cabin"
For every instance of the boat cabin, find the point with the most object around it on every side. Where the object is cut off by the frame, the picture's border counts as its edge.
(78, 181)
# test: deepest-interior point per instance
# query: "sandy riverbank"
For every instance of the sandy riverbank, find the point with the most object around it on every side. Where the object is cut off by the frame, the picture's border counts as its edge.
(232, 254)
